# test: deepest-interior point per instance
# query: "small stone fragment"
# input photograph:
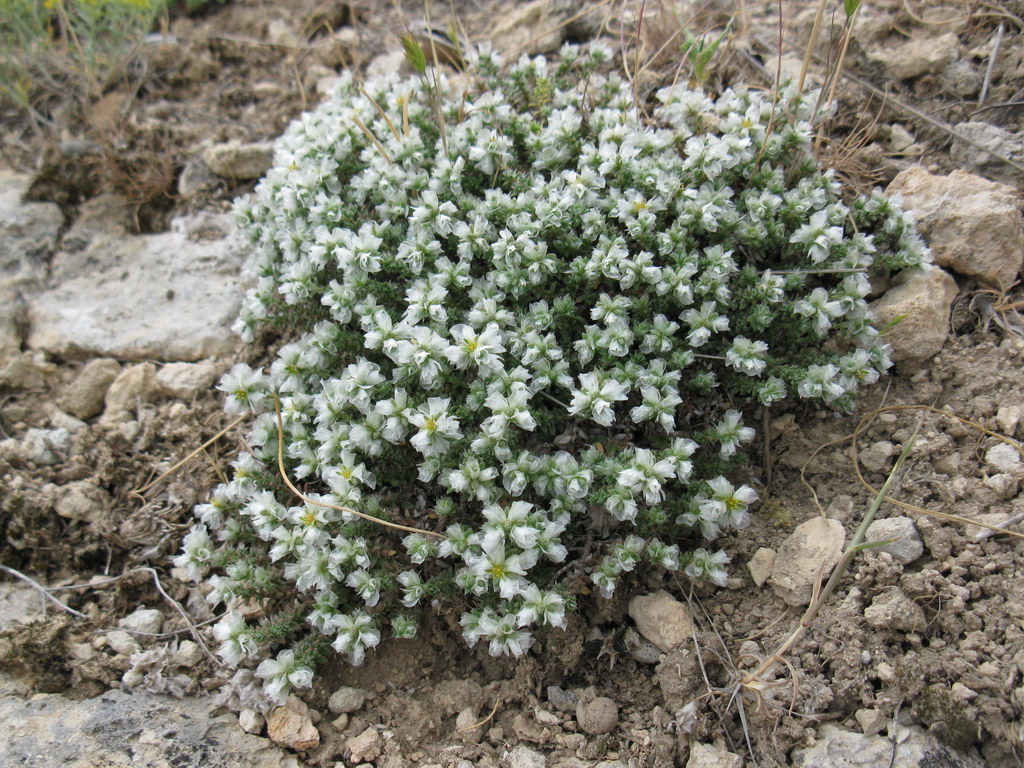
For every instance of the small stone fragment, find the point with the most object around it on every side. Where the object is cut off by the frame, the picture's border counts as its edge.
(760, 565)
(876, 457)
(85, 395)
(188, 654)
(871, 721)
(919, 304)
(709, 756)
(365, 746)
(1003, 458)
(1008, 417)
(809, 553)
(132, 386)
(83, 501)
(148, 620)
(123, 643)
(530, 28)
(29, 370)
(639, 648)
(597, 716)
(340, 723)
(562, 700)
(979, 136)
(464, 722)
(894, 610)
(524, 757)
(906, 543)
(235, 160)
(251, 721)
(346, 700)
(916, 57)
(291, 726)
(185, 381)
(962, 693)
(45, 447)
(661, 619)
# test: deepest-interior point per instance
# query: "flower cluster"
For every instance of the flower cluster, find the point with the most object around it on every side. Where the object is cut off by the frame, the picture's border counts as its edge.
(536, 330)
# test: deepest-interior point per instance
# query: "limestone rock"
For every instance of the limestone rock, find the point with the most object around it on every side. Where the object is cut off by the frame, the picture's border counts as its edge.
(878, 456)
(346, 699)
(760, 565)
(916, 57)
(661, 619)
(971, 224)
(364, 747)
(810, 553)
(128, 729)
(13, 319)
(906, 543)
(562, 700)
(709, 756)
(1007, 143)
(524, 757)
(836, 747)
(186, 381)
(170, 296)
(923, 300)
(83, 500)
(1003, 457)
(597, 715)
(894, 610)
(85, 395)
(45, 447)
(251, 721)
(148, 620)
(532, 28)
(1008, 417)
(291, 726)
(29, 370)
(235, 160)
(639, 648)
(28, 232)
(134, 385)
(122, 642)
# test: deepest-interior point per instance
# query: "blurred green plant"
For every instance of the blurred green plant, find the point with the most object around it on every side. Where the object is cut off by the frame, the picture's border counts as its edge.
(75, 48)
(700, 51)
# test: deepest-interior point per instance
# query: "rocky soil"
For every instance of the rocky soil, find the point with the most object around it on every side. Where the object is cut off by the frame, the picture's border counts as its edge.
(119, 281)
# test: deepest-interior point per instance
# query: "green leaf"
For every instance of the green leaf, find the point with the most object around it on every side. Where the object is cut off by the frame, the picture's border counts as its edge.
(414, 54)
(850, 6)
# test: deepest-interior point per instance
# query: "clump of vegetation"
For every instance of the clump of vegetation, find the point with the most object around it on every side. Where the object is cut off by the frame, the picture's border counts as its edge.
(528, 336)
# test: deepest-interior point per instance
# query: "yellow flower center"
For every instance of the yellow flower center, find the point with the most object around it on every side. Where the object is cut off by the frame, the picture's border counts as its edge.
(732, 503)
(429, 425)
(497, 570)
(309, 519)
(471, 345)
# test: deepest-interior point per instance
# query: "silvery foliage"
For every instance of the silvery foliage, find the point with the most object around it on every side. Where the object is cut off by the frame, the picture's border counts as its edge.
(540, 327)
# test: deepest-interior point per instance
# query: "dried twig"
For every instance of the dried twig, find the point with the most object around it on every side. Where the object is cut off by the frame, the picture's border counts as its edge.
(991, 63)
(43, 591)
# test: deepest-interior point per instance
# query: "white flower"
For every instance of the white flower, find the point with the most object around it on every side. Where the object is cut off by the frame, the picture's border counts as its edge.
(703, 322)
(645, 475)
(746, 356)
(819, 309)
(482, 350)
(595, 397)
(541, 606)
(237, 643)
(731, 433)
(246, 389)
(658, 406)
(356, 633)
(436, 427)
(283, 674)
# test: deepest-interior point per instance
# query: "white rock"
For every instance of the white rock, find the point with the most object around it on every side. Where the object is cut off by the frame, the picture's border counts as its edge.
(149, 297)
(1008, 417)
(464, 723)
(524, 757)
(760, 565)
(709, 756)
(1007, 143)
(807, 555)
(188, 655)
(251, 721)
(28, 232)
(1003, 457)
(291, 726)
(29, 370)
(134, 385)
(838, 748)
(1003, 484)
(83, 500)
(532, 28)
(971, 224)
(922, 299)
(894, 610)
(185, 381)
(871, 721)
(661, 619)
(916, 57)
(876, 457)
(906, 543)
(122, 642)
(235, 160)
(148, 620)
(45, 447)
(346, 699)
(85, 395)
